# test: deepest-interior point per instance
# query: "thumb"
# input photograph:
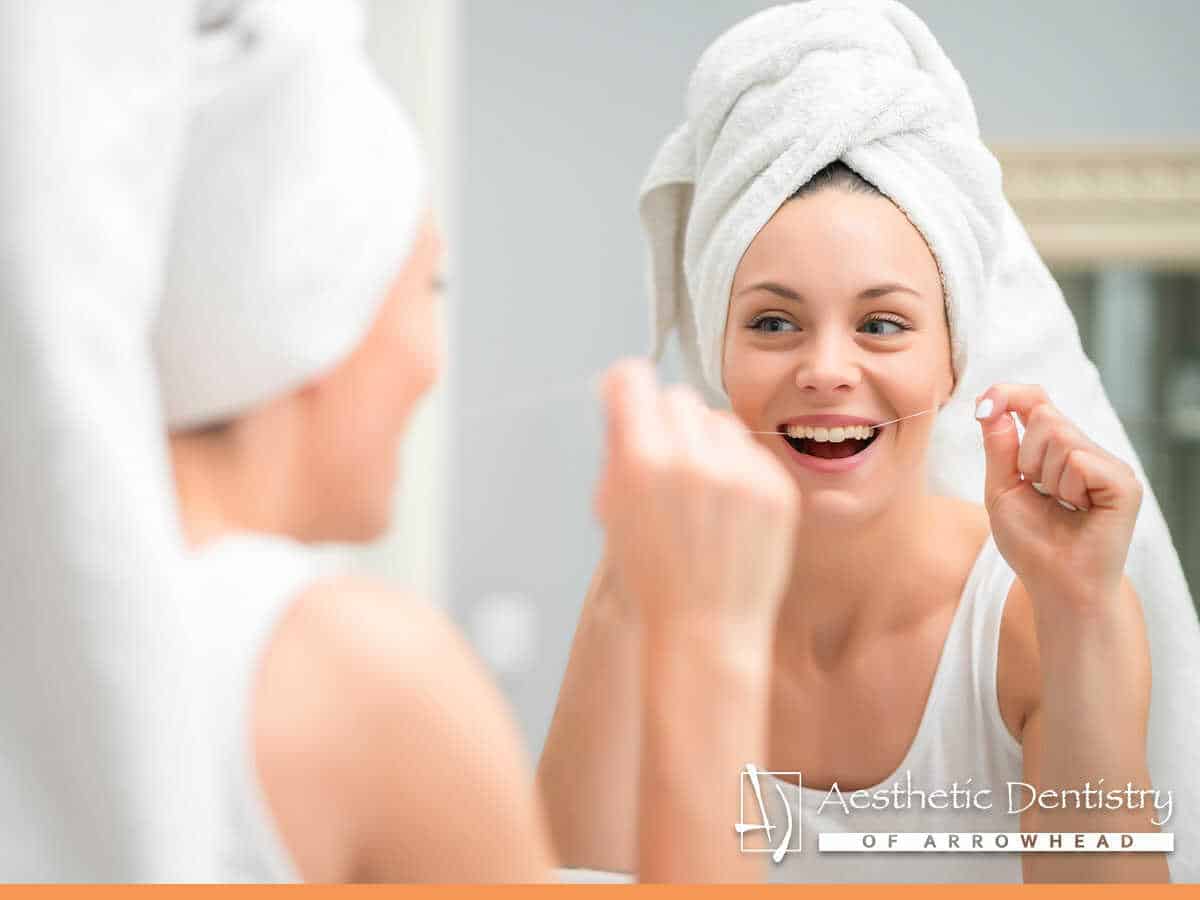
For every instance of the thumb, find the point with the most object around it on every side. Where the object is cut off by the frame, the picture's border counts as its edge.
(1000, 444)
(629, 394)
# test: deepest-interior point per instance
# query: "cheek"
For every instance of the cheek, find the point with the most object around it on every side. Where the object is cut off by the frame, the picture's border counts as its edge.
(417, 353)
(915, 378)
(388, 388)
(911, 382)
(428, 351)
(752, 378)
(903, 382)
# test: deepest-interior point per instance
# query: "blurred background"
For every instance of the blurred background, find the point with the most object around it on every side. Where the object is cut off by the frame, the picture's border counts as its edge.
(541, 118)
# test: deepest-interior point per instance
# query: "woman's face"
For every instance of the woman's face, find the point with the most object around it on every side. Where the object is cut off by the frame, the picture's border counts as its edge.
(358, 413)
(836, 318)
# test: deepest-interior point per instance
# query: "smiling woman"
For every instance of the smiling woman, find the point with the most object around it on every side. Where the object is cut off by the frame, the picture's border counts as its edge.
(844, 631)
(837, 304)
(836, 340)
(838, 258)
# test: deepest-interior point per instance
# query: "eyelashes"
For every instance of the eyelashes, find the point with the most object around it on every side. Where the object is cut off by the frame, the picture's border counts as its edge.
(890, 319)
(760, 323)
(771, 323)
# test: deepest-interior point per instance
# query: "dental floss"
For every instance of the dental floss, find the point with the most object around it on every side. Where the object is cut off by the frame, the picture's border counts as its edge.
(533, 400)
(879, 425)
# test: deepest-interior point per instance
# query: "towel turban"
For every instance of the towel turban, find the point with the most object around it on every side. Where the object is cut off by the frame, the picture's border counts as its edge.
(298, 203)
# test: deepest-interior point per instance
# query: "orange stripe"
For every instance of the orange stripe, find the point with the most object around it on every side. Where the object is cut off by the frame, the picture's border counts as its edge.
(596, 891)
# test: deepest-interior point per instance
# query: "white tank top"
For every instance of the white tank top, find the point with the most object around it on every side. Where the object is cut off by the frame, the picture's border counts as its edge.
(961, 736)
(255, 577)
(250, 580)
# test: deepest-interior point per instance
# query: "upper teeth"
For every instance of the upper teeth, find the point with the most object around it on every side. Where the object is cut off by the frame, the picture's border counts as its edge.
(834, 435)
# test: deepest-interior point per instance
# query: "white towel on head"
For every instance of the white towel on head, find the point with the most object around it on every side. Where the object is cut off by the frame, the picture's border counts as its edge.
(297, 206)
(793, 88)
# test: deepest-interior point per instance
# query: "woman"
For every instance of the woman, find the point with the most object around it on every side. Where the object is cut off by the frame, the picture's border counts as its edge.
(924, 638)
(360, 737)
(897, 596)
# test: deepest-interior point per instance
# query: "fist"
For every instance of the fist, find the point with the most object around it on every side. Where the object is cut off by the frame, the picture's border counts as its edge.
(699, 518)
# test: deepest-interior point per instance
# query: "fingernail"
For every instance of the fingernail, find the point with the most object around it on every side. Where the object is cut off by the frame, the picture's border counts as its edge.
(984, 409)
(1065, 505)
(1040, 488)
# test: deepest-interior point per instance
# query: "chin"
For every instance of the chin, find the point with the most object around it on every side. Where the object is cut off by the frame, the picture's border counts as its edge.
(837, 508)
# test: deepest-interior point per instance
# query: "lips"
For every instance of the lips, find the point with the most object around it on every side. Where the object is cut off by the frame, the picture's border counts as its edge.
(830, 443)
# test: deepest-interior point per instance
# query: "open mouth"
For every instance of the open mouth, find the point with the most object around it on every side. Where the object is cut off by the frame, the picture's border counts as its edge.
(830, 443)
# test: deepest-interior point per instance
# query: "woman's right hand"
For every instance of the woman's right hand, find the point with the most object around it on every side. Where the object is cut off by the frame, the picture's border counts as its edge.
(700, 518)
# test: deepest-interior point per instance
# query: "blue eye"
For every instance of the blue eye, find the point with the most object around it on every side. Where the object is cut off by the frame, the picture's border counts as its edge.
(771, 324)
(881, 321)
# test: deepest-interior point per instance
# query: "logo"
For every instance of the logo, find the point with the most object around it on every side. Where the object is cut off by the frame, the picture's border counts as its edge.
(778, 825)
(785, 832)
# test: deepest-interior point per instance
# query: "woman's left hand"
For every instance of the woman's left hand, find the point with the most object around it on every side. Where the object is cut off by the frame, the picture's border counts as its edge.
(1067, 545)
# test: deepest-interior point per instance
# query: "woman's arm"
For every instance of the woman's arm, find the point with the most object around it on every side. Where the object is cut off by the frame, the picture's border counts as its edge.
(588, 771)
(1090, 726)
(700, 522)
(704, 718)
(1062, 511)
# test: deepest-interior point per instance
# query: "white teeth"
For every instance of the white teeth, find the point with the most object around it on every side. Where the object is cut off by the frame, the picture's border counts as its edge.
(834, 435)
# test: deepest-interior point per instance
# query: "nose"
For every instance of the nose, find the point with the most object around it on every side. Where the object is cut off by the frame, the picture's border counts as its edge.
(829, 365)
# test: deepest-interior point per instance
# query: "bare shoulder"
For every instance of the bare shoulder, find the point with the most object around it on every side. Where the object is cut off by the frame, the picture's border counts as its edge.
(323, 675)
(348, 646)
(366, 706)
(356, 628)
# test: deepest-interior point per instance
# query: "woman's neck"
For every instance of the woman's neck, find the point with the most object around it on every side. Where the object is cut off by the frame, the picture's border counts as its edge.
(219, 491)
(851, 582)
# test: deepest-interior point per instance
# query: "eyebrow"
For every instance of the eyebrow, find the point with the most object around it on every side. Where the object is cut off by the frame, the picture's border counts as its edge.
(787, 293)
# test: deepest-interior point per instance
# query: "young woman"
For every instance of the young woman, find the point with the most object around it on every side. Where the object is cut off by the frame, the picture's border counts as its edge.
(922, 639)
(361, 736)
